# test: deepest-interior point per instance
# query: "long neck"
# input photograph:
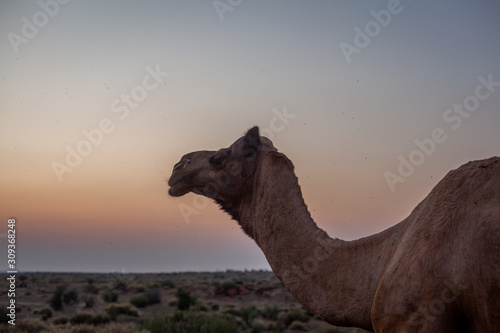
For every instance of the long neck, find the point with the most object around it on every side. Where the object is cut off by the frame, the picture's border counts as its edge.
(333, 278)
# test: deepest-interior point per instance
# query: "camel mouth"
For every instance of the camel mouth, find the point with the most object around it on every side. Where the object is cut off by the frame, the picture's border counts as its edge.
(178, 190)
(178, 186)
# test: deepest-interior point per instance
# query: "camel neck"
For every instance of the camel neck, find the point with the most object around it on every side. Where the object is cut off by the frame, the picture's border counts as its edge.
(335, 279)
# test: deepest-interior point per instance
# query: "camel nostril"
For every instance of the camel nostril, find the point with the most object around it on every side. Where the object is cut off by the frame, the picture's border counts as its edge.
(182, 164)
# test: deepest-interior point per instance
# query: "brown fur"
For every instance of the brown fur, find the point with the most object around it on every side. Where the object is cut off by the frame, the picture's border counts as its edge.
(436, 271)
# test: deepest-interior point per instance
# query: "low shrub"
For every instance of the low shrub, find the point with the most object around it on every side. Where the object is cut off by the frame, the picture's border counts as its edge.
(63, 320)
(153, 285)
(46, 313)
(248, 314)
(148, 298)
(140, 301)
(153, 296)
(120, 284)
(271, 312)
(99, 319)
(91, 289)
(89, 302)
(185, 299)
(297, 315)
(168, 284)
(298, 326)
(80, 318)
(201, 307)
(70, 297)
(114, 310)
(110, 296)
(29, 326)
(140, 289)
(227, 285)
(87, 318)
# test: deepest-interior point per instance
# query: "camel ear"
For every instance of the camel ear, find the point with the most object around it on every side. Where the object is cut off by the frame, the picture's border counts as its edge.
(250, 152)
(252, 139)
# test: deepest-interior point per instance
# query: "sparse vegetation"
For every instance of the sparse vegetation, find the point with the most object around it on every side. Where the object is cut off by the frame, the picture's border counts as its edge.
(187, 322)
(182, 302)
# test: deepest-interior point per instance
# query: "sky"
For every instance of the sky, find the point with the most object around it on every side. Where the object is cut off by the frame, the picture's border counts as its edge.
(373, 101)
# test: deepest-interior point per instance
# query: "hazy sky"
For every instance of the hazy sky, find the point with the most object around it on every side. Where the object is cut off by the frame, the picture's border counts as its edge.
(98, 101)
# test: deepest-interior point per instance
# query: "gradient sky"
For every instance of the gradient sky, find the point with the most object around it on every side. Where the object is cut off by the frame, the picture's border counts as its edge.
(227, 72)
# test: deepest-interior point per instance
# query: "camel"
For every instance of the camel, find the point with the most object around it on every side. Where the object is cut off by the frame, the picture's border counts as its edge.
(438, 270)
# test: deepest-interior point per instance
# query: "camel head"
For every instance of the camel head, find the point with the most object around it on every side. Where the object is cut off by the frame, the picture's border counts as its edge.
(225, 175)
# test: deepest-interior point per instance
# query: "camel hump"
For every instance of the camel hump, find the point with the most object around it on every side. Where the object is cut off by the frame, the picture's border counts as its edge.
(473, 189)
(465, 204)
(481, 177)
(457, 226)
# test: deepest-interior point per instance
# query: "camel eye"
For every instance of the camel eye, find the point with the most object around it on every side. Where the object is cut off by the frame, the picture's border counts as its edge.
(215, 161)
(219, 157)
(249, 152)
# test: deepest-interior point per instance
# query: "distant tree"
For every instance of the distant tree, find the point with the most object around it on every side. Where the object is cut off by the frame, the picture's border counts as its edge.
(56, 301)
(4, 319)
(70, 297)
(120, 284)
(89, 302)
(168, 284)
(154, 296)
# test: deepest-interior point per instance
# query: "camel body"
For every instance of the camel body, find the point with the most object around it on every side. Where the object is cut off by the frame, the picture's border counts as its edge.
(436, 271)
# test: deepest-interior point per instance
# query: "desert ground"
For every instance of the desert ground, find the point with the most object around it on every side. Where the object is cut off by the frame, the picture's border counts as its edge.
(226, 301)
